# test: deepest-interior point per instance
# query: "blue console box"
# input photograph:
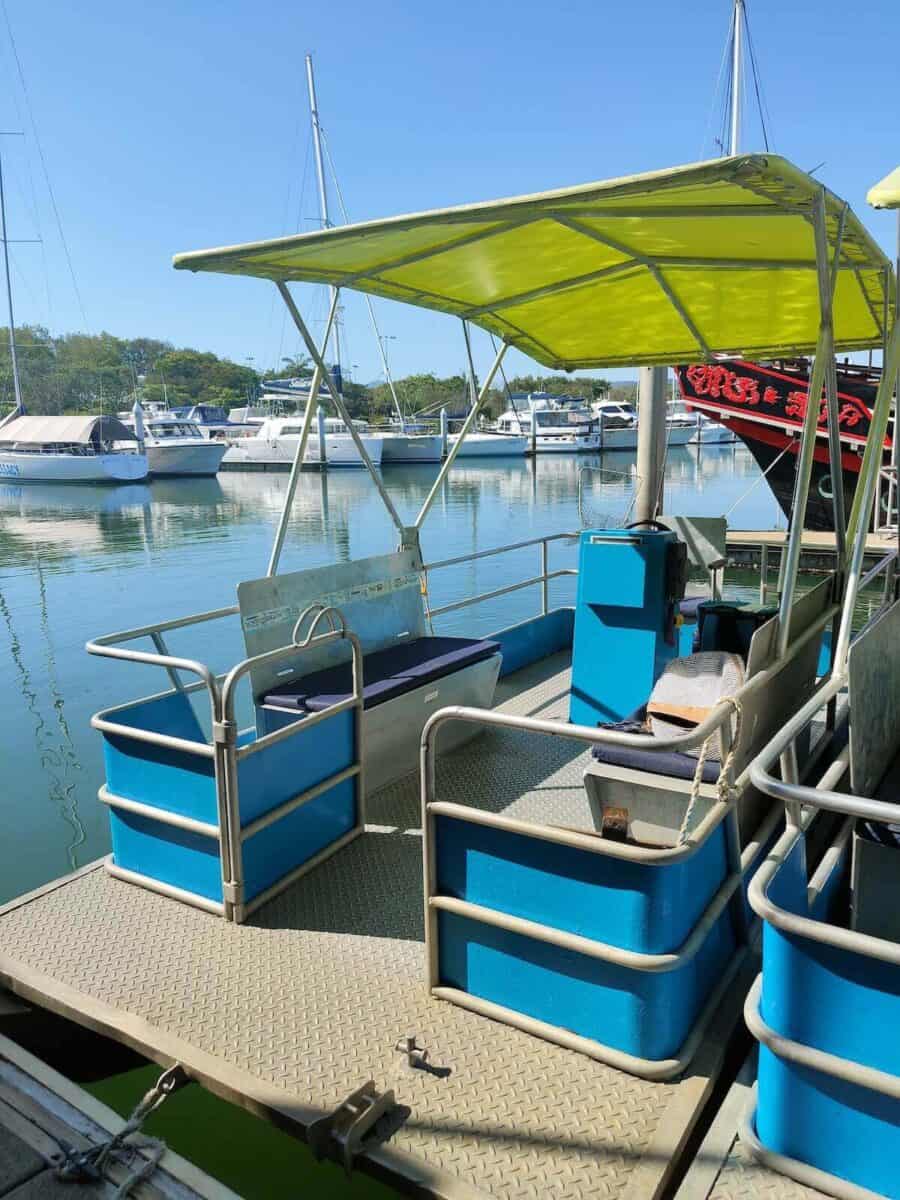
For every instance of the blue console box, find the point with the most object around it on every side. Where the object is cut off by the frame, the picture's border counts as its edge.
(624, 631)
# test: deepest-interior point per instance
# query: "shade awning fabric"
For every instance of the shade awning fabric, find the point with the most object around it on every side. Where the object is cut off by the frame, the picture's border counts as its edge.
(886, 194)
(715, 258)
(65, 430)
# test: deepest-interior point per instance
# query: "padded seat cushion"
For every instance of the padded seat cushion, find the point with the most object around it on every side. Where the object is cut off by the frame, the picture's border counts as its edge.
(661, 762)
(386, 673)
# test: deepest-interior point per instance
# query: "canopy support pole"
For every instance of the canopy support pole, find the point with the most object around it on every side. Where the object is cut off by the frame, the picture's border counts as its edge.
(827, 284)
(467, 425)
(314, 354)
(824, 347)
(650, 451)
(865, 492)
(300, 452)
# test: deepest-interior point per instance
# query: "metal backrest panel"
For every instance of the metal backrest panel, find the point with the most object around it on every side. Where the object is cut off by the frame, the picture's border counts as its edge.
(806, 610)
(704, 538)
(765, 709)
(874, 670)
(380, 599)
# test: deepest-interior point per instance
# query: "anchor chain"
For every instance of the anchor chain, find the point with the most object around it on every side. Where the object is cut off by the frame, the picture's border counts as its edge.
(88, 1166)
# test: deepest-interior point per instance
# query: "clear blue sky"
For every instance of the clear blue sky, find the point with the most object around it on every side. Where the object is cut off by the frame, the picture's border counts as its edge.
(175, 126)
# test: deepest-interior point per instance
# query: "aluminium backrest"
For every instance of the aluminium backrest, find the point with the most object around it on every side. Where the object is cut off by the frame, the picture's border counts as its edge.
(379, 597)
(874, 682)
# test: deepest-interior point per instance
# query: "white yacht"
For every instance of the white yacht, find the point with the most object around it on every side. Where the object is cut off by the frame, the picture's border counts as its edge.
(273, 443)
(618, 425)
(176, 446)
(213, 421)
(86, 449)
(561, 424)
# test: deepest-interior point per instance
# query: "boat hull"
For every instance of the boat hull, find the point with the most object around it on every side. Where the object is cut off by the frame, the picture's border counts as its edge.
(73, 468)
(278, 452)
(194, 456)
(410, 448)
(565, 444)
(765, 407)
(489, 445)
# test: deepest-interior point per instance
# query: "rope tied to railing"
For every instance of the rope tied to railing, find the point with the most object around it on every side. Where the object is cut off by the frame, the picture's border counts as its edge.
(86, 1166)
(725, 789)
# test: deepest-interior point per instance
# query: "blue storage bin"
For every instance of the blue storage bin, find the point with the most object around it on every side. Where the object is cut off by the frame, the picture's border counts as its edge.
(836, 1126)
(846, 1004)
(178, 782)
(650, 909)
(646, 1014)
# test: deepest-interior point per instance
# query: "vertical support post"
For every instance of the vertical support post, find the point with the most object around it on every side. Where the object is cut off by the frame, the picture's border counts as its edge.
(320, 434)
(545, 582)
(467, 425)
(300, 452)
(865, 491)
(314, 354)
(445, 432)
(827, 284)
(763, 571)
(651, 419)
(824, 348)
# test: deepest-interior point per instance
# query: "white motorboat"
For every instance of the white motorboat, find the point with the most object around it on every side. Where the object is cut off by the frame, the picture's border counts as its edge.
(617, 425)
(552, 424)
(274, 444)
(490, 445)
(86, 449)
(213, 421)
(708, 432)
(176, 446)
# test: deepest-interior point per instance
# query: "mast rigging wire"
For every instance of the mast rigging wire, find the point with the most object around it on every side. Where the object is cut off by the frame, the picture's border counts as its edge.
(43, 161)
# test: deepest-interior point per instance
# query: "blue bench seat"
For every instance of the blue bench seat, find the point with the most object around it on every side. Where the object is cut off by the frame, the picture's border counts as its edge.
(673, 763)
(386, 673)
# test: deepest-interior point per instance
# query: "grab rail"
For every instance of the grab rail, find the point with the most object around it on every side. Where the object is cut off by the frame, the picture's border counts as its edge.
(543, 578)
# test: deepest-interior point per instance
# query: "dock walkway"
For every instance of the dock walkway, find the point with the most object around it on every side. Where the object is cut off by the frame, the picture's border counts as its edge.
(42, 1114)
(290, 1013)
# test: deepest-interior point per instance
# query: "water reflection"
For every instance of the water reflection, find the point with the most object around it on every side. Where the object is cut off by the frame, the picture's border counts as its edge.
(79, 561)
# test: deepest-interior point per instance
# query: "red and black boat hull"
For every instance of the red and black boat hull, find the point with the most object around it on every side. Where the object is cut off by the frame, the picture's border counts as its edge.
(765, 406)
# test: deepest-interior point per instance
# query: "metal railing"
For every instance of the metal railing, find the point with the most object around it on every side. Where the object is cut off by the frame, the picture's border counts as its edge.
(225, 751)
(543, 578)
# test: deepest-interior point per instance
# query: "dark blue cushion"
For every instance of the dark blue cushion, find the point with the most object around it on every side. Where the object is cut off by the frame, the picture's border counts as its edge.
(386, 673)
(661, 762)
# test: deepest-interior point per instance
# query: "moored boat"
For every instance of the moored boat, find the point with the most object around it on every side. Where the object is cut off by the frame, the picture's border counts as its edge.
(764, 405)
(175, 446)
(85, 449)
(552, 424)
(274, 442)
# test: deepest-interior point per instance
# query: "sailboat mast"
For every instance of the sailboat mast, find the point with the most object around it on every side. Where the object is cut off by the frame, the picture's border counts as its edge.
(9, 300)
(737, 54)
(320, 176)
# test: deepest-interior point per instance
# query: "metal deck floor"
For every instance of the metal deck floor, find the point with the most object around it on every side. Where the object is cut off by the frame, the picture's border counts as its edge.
(724, 1169)
(291, 1012)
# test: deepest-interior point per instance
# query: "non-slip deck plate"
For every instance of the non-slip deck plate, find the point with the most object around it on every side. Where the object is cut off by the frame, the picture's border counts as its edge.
(724, 1168)
(291, 1012)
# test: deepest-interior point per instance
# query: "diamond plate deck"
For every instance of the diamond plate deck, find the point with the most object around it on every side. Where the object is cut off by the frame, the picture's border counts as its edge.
(291, 1012)
(724, 1169)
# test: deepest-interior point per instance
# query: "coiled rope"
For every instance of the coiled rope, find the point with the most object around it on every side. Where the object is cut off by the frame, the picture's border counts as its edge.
(725, 790)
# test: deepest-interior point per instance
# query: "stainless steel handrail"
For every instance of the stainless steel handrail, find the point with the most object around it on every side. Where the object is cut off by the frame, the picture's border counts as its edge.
(543, 578)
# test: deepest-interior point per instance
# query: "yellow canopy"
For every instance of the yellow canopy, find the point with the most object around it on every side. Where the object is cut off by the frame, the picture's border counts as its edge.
(695, 261)
(886, 194)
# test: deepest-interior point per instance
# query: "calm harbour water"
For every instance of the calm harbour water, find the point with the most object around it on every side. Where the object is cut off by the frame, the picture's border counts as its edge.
(76, 562)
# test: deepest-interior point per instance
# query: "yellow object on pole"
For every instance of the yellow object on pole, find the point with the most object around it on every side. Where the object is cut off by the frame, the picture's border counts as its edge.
(714, 258)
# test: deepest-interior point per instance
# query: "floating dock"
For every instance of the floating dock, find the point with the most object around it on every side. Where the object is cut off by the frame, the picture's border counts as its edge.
(317, 993)
(750, 547)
